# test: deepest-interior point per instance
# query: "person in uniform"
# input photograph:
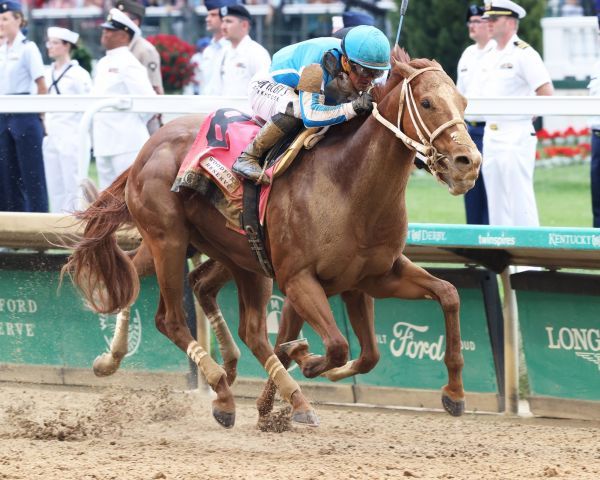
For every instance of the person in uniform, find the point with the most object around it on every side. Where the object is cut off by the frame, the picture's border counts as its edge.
(511, 69)
(469, 83)
(211, 59)
(61, 146)
(117, 137)
(141, 48)
(297, 90)
(244, 57)
(594, 87)
(146, 53)
(22, 179)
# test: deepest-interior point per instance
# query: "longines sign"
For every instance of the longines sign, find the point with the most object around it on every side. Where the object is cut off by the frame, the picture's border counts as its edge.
(561, 341)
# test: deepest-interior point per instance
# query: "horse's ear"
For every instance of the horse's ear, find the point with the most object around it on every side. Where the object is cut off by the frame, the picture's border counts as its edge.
(399, 55)
(404, 69)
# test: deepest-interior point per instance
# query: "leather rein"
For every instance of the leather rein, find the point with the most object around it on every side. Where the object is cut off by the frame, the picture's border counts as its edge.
(425, 145)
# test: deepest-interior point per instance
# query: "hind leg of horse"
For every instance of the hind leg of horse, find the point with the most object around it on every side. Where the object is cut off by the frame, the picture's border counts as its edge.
(290, 325)
(409, 281)
(310, 302)
(254, 292)
(168, 244)
(206, 280)
(108, 362)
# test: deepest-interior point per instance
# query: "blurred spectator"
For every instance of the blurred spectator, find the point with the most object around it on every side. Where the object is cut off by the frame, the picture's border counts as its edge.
(571, 8)
(145, 52)
(244, 57)
(193, 88)
(469, 83)
(209, 63)
(141, 48)
(118, 137)
(349, 20)
(61, 147)
(512, 69)
(22, 179)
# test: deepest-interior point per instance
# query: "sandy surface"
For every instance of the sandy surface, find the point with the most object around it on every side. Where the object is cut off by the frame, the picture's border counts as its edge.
(60, 433)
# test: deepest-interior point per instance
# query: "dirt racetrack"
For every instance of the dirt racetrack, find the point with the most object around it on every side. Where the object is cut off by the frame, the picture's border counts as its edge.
(59, 433)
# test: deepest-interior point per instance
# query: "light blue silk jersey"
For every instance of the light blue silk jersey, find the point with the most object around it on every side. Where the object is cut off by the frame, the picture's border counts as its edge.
(286, 68)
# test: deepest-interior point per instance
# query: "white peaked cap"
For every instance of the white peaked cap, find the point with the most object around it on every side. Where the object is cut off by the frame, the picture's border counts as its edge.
(495, 8)
(63, 34)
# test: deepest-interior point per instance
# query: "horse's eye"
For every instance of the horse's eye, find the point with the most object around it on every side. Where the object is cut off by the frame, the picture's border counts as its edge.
(425, 104)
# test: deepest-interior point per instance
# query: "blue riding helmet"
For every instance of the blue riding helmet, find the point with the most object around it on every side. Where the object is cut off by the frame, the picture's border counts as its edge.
(367, 46)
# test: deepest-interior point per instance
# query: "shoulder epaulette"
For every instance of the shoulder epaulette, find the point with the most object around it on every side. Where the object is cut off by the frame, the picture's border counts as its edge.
(521, 44)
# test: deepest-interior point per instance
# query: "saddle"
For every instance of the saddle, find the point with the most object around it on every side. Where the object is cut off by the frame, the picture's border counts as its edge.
(207, 169)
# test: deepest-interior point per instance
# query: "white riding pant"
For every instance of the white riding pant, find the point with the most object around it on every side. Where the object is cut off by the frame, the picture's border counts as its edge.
(267, 97)
(111, 166)
(508, 165)
(60, 164)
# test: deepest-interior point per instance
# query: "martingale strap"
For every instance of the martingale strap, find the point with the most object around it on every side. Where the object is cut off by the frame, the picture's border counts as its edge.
(253, 229)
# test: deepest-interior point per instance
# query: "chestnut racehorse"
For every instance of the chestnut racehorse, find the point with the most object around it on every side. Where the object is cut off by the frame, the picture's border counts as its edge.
(336, 224)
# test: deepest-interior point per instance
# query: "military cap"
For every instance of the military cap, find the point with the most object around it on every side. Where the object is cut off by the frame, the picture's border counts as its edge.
(10, 6)
(63, 34)
(131, 6)
(117, 20)
(215, 4)
(235, 10)
(353, 19)
(503, 8)
(474, 11)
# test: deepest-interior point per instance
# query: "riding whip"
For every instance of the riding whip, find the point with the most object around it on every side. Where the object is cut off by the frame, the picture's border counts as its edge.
(403, 7)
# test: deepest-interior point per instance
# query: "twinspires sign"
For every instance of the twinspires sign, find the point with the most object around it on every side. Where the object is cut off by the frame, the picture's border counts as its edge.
(42, 326)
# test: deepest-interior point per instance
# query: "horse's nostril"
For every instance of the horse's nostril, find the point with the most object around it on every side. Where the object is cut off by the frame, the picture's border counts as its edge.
(463, 160)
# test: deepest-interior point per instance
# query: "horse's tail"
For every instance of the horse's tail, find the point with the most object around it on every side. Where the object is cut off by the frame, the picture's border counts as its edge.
(98, 267)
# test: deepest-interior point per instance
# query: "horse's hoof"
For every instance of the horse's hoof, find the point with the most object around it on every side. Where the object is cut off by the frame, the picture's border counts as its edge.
(105, 365)
(308, 418)
(454, 407)
(225, 419)
(294, 347)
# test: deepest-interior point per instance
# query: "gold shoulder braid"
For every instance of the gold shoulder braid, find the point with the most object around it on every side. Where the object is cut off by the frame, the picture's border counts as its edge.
(521, 44)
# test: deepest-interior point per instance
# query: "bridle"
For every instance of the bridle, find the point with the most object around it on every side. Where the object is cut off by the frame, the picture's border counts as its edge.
(425, 146)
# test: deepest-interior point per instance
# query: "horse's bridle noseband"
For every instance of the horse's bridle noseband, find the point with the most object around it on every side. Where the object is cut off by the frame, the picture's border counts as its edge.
(425, 146)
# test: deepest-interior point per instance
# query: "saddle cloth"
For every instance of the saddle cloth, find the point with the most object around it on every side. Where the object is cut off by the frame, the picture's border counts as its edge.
(221, 139)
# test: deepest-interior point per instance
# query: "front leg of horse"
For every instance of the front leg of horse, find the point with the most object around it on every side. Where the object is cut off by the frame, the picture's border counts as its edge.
(310, 302)
(108, 363)
(409, 281)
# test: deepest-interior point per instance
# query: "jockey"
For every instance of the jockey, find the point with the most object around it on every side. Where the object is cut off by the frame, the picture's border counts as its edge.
(315, 83)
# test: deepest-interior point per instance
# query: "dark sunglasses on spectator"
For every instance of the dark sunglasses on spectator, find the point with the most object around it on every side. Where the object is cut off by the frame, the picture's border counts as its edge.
(365, 72)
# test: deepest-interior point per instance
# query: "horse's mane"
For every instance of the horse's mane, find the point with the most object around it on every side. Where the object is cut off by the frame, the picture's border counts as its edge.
(395, 76)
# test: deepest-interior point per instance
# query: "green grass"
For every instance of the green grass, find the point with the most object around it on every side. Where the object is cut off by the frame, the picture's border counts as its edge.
(562, 194)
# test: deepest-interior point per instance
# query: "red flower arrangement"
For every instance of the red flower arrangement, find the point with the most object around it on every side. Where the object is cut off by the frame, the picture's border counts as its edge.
(175, 65)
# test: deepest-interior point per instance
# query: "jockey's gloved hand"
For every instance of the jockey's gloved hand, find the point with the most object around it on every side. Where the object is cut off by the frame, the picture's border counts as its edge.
(363, 104)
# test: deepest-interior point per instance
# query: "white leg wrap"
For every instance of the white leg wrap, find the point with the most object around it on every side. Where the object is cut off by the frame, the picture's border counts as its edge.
(211, 370)
(118, 345)
(338, 373)
(229, 350)
(281, 378)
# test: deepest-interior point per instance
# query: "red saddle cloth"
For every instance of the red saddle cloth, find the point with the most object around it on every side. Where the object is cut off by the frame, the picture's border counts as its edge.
(222, 137)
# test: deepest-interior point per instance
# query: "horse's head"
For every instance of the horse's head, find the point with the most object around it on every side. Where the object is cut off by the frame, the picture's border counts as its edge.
(422, 106)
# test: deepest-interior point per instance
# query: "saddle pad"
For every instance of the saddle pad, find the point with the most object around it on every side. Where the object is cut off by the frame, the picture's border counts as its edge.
(221, 139)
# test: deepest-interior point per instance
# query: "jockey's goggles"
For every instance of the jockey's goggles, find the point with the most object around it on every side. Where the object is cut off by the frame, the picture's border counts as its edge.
(365, 72)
